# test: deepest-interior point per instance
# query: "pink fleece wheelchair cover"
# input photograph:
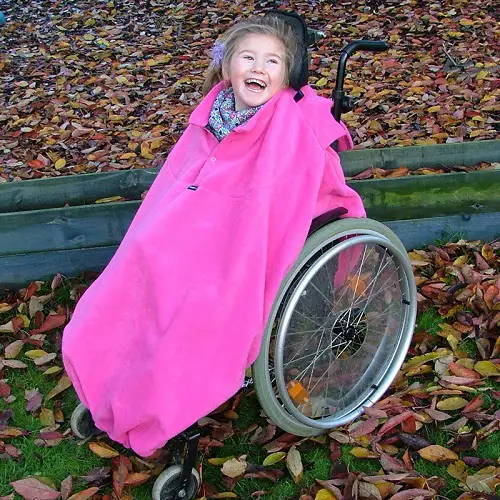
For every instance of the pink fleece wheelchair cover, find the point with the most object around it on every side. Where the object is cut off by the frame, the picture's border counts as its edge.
(165, 334)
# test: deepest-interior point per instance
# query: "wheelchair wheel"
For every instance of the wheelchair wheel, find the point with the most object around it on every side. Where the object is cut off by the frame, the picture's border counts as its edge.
(339, 328)
(82, 424)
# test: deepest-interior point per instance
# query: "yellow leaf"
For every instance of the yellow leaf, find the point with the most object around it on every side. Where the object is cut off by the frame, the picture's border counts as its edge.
(103, 450)
(466, 22)
(52, 370)
(360, 452)
(47, 417)
(274, 458)
(219, 461)
(455, 34)
(4, 307)
(324, 495)
(375, 125)
(145, 152)
(481, 75)
(433, 109)
(26, 320)
(60, 163)
(225, 494)
(430, 356)
(111, 199)
(438, 454)
(90, 22)
(123, 79)
(458, 470)
(460, 261)
(321, 82)
(35, 353)
(454, 403)
(63, 384)
(13, 349)
(127, 156)
(487, 369)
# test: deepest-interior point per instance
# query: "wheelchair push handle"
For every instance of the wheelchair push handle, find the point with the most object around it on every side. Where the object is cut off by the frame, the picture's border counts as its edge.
(366, 45)
(343, 103)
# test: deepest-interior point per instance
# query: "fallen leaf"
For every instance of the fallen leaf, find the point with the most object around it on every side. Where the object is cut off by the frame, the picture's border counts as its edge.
(294, 464)
(274, 458)
(454, 403)
(438, 454)
(32, 489)
(234, 467)
(63, 384)
(103, 450)
(487, 369)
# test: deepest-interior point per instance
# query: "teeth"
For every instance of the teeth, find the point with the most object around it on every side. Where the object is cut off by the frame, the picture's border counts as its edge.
(258, 82)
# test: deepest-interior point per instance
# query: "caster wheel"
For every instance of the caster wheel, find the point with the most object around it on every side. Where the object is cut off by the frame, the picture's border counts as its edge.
(166, 485)
(82, 424)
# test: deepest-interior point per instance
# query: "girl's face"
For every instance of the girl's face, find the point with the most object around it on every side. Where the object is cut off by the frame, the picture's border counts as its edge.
(256, 70)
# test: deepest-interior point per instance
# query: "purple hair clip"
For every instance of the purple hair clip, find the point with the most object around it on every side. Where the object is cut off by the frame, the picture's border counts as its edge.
(218, 51)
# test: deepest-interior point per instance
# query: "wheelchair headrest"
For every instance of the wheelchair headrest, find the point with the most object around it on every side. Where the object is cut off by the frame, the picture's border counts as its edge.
(299, 72)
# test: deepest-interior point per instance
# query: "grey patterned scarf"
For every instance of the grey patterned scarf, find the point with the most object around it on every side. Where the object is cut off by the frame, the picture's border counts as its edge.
(224, 118)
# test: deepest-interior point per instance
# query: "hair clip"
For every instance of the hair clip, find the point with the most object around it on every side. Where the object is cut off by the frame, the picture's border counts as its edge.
(218, 51)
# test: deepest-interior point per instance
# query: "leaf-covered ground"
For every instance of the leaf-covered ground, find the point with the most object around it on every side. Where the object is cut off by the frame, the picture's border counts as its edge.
(435, 434)
(94, 86)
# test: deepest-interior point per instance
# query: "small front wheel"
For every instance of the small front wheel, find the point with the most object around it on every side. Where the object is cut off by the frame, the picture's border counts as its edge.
(166, 486)
(82, 424)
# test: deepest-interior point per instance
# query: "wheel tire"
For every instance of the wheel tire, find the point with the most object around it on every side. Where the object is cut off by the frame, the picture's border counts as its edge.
(82, 424)
(260, 369)
(165, 485)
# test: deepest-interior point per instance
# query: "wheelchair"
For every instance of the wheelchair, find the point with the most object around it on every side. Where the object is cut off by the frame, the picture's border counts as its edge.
(336, 336)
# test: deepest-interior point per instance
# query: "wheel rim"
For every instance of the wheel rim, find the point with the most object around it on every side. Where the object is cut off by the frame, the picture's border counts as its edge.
(170, 490)
(340, 339)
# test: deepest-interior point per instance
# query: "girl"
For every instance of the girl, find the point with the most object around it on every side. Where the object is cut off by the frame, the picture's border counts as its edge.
(165, 334)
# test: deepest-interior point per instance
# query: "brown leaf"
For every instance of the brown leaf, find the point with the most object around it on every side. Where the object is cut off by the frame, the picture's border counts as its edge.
(103, 450)
(85, 494)
(364, 427)
(120, 474)
(51, 322)
(412, 493)
(234, 467)
(32, 489)
(63, 384)
(135, 479)
(294, 464)
(414, 441)
(66, 487)
(438, 454)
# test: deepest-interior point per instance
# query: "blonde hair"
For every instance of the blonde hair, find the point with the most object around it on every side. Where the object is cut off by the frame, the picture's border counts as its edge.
(269, 26)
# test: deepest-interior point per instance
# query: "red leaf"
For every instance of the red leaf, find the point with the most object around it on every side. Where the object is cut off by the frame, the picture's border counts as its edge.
(412, 493)
(335, 451)
(4, 389)
(52, 321)
(393, 422)
(120, 474)
(33, 489)
(366, 427)
(66, 487)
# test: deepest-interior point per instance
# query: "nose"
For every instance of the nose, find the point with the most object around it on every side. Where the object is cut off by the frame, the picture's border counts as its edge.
(258, 67)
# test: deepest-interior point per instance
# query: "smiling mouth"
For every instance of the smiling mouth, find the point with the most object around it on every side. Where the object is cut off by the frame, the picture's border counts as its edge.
(255, 85)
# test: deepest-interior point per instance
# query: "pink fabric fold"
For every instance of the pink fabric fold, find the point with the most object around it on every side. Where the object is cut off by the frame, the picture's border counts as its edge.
(165, 334)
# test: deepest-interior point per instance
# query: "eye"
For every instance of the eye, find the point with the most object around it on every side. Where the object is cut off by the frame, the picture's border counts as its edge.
(249, 58)
(273, 61)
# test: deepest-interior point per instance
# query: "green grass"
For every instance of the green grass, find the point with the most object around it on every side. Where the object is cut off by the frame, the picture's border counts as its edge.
(429, 322)
(68, 457)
